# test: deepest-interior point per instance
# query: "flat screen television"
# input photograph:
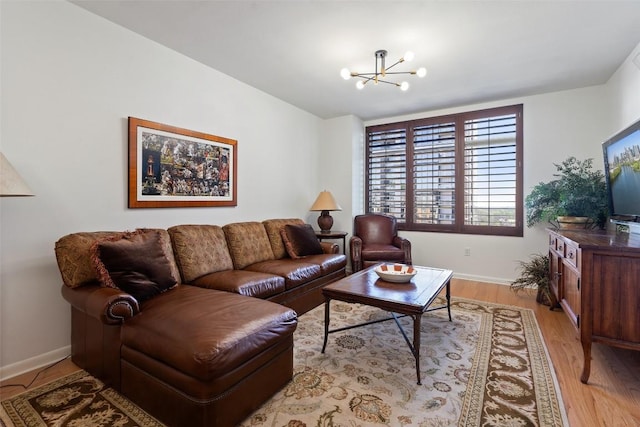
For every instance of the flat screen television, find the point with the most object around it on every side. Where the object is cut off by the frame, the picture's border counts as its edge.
(622, 173)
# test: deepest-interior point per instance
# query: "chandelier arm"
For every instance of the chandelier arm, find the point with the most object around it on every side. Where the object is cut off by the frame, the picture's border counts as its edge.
(371, 76)
(366, 79)
(390, 83)
(399, 61)
(402, 72)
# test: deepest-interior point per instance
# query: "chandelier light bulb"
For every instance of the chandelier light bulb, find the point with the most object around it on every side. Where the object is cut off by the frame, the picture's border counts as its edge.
(421, 72)
(408, 56)
(404, 86)
(360, 85)
(345, 73)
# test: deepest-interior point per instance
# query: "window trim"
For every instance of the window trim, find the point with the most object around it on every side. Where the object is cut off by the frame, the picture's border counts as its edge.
(459, 120)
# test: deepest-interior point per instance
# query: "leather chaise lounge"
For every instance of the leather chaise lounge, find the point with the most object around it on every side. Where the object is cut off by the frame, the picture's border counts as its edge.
(218, 341)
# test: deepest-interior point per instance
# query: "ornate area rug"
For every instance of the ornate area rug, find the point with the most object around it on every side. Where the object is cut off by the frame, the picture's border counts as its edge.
(488, 367)
(76, 400)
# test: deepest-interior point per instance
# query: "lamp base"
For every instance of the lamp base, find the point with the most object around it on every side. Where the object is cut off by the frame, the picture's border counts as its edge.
(325, 221)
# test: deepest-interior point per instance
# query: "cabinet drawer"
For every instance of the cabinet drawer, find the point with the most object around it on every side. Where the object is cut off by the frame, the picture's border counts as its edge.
(556, 244)
(571, 254)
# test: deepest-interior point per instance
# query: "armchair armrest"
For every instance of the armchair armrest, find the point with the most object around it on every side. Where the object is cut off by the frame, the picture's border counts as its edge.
(330, 248)
(355, 248)
(109, 305)
(405, 245)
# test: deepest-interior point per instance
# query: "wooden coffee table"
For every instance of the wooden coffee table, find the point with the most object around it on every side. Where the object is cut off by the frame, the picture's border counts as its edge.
(407, 299)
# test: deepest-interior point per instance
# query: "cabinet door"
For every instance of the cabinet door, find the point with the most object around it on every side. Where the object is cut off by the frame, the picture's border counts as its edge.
(570, 290)
(616, 297)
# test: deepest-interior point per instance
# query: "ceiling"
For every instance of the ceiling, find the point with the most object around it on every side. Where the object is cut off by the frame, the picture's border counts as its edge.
(474, 51)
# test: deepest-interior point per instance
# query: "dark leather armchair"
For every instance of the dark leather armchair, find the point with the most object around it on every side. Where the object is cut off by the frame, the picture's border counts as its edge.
(375, 239)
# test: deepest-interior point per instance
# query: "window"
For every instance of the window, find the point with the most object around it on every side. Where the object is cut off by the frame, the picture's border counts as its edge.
(459, 174)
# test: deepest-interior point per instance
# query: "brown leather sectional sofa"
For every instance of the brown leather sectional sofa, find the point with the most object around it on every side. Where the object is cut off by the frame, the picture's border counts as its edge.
(212, 349)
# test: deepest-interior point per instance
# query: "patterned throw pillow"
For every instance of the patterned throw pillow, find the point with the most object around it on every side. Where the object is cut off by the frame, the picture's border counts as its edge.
(300, 240)
(134, 262)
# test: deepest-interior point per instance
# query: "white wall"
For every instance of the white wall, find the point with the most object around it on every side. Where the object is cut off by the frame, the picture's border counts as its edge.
(624, 88)
(341, 168)
(69, 81)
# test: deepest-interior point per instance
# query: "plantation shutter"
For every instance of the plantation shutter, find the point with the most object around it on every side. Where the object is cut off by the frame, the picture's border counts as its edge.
(386, 172)
(490, 195)
(434, 173)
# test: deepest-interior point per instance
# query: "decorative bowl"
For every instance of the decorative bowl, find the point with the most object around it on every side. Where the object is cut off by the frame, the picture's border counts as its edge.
(396, 273)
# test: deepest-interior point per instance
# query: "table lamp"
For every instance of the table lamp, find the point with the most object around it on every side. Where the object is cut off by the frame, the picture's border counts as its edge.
(325, 203)
(11, 183)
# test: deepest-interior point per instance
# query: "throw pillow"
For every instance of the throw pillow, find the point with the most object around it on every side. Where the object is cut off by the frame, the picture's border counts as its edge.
(300, 240)
(134, 262)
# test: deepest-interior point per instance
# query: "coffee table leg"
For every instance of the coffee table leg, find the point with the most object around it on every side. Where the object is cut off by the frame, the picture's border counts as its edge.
(449, 299)
(416, 343)
(326, 323)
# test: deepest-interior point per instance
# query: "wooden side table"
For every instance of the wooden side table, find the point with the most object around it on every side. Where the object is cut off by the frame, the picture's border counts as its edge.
(333, 235)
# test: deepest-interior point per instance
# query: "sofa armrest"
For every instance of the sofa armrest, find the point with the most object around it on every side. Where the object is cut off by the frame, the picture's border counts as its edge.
(109, 305)
(405, 245)
(330, 248)
(355, 248)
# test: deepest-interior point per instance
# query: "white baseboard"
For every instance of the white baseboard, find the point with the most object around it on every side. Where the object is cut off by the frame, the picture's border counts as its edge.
(484, 279)
(32, 363)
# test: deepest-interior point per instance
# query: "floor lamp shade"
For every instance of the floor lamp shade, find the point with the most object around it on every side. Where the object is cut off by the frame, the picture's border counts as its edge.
(325, 203)
(11, 183)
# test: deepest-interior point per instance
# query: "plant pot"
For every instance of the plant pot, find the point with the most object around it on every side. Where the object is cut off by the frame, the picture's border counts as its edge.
(546, 298)
(573, 222)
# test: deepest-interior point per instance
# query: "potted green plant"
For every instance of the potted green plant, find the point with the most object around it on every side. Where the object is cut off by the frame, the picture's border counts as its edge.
(534, 274)
(578, 191)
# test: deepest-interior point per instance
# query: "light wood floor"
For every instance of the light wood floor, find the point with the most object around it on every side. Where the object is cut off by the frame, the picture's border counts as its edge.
(612, 397)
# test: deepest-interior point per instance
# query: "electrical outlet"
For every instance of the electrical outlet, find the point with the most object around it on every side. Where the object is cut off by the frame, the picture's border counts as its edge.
(467, 251)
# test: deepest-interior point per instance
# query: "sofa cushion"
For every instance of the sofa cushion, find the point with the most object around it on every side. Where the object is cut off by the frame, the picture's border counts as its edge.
(274, 227)
(243, 282)
(73, 254)
(382, 252)
(296, 272)
(134, 262)
(300, 240)
(173, 333)
(328, 262)
(200, 250)
(248, 243)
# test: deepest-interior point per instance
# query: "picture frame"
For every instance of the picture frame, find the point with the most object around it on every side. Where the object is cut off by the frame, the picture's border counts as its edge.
(171, 167)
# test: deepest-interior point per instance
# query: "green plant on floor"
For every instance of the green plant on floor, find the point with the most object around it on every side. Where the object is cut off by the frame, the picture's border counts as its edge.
(577, 191)
(534, 274)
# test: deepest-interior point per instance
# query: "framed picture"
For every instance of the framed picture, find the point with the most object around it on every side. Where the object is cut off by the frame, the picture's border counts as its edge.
(172, 167)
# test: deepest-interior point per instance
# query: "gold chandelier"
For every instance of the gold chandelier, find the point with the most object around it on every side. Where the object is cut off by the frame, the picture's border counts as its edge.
(382, 72)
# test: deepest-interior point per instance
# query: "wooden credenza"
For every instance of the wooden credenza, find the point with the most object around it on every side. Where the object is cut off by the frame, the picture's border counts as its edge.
(595, 277)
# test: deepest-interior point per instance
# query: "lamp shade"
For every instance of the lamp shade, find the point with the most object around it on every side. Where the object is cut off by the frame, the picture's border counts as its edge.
(11, 183)
(325, 202)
